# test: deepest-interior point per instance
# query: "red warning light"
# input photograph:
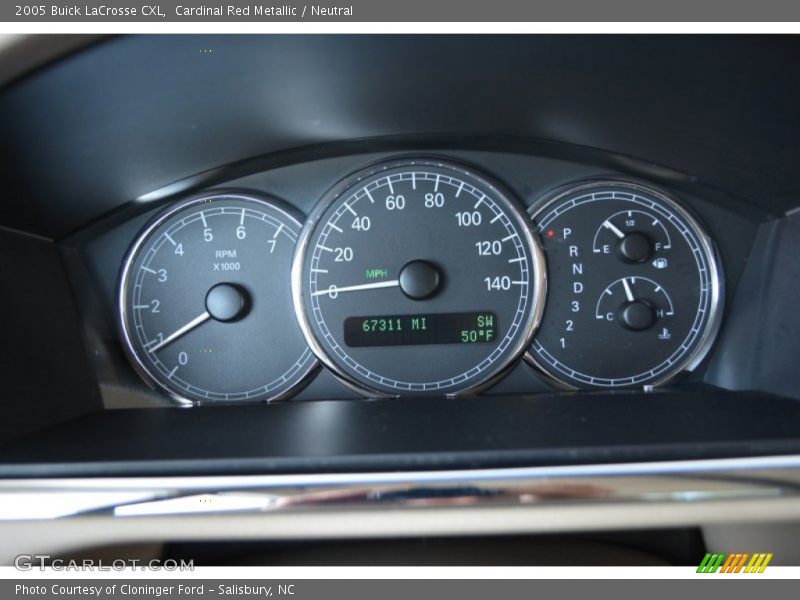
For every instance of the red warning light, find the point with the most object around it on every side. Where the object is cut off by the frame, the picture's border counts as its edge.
(550, 233)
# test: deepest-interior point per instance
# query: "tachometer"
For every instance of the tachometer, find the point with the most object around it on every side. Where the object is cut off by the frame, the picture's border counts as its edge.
(205, 301)
(634, 287)
(418, 277)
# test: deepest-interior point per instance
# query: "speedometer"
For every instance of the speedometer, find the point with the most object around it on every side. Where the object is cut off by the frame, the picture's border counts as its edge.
(418, 277)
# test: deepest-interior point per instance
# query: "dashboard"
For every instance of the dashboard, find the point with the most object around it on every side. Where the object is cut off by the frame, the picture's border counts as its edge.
(327, 277)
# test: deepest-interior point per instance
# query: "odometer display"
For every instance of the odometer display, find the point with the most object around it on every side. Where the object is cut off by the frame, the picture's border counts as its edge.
(410, 330)
(410, 241)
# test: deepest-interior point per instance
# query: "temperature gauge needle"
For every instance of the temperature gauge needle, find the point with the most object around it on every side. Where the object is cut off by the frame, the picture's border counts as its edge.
(628, 291)
(614, 229)
(357, 288)
(182, 331)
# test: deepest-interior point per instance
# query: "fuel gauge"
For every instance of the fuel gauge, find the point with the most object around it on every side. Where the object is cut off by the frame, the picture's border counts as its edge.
(632, 235)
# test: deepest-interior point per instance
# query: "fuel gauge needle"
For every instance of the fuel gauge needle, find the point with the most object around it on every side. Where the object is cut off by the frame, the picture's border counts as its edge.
(628, 290)
(614, 229)
(182, 331)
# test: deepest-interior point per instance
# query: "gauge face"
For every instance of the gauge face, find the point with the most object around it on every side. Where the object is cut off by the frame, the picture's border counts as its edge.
(205, 301)
(418, 278)
(634, 287)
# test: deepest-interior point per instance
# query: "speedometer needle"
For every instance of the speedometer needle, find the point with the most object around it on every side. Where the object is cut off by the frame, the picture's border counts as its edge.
(334, 290)
(182, 331)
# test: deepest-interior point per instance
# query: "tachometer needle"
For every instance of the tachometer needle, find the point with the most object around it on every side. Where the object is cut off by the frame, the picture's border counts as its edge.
(334, 290)
(628, 290)
(614, 229)
(182, 331)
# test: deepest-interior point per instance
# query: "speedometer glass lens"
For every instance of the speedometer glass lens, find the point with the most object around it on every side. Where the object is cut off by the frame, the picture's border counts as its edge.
(418, 277)
(634, 287)
(205, 301)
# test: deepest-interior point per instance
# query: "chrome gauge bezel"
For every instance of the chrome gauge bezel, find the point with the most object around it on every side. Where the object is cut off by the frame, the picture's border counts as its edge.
(144, 370)
(516, 211)
(716, 279)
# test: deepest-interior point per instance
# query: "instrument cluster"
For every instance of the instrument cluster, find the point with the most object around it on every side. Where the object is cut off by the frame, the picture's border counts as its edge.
(418, 276)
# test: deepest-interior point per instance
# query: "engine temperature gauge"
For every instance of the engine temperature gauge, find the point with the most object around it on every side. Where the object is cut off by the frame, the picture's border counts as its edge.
(636, 303)
(634, 287)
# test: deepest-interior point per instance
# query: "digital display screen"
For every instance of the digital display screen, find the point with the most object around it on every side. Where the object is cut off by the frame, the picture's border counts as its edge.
(413, 330)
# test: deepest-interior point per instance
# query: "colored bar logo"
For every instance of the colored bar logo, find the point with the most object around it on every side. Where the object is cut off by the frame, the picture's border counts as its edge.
(734, 563)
